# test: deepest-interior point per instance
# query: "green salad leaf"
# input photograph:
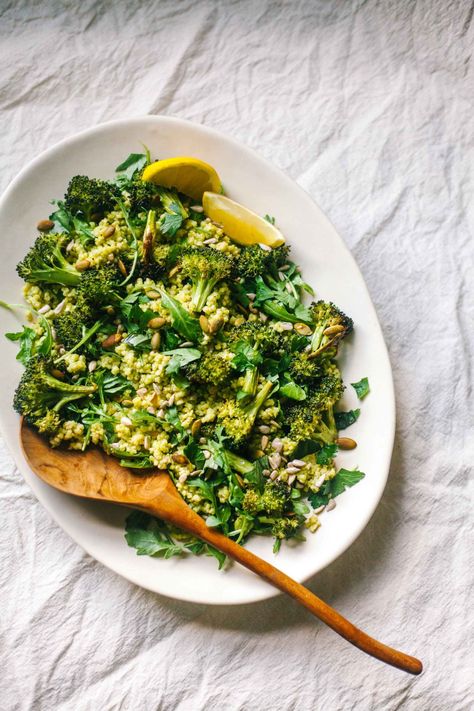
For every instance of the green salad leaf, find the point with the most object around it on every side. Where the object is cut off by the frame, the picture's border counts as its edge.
(362, 388)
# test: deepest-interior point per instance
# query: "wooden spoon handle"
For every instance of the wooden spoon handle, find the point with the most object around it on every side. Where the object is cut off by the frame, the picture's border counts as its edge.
(188, 520)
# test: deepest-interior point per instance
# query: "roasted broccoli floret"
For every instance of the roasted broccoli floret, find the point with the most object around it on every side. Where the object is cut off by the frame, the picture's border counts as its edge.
(45, 263)
(71, 325)
(250, 343)
(330, 325)
(143, 196)
(254, 261)
(39, 394)
(314, 417)
(49, 424)
(213, 368)
(237, 419)
(304, 369)
(271, 501)
(99, 286)
(90, 196)
(285, 527)
(205, 267)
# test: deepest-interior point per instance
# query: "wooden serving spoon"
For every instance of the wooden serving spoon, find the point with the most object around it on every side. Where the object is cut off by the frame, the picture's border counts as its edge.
(95, 475)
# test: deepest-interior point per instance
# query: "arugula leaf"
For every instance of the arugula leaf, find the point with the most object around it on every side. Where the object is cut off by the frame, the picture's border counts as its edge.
(269, 218)
(26, 337)
(362, 388)
(345, 419)
(326, 454)
(186, 325)
(134, 162)
(148, 536)
(180, 357)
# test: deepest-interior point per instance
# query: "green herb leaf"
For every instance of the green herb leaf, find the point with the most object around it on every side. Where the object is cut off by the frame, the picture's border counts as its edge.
(26, 338)
(171, 224)
(335, 486)
(195, 454)
(134, 162)
(345, 419)
(148, 536)
(269, 219)
(362, 388)
(292, 390)
(326, 454)
(344, 479)
(304, 448)
(180, 357)
(186, 325)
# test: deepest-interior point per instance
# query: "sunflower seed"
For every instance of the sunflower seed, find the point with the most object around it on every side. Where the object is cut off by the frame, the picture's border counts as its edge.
(151, 410)
(331, 505)
(292, 470)
(263, 317)
(70, 245)
(160, 414)
(277, 444)
(297, 463)
(291, 479)
(146, 442)
(44, 309)
(182, 477)
(273, 475)
(171, 399)
(197, 208)
(251, 296)
(264, 442)
(60, 307)
(211, 240)
(92, 366)
(142, 391)
(186, 344)
(207, 454)
(266, 472)
(125, 421)
(264, 429)
(286, 326)
(320, 509)
(274, 460)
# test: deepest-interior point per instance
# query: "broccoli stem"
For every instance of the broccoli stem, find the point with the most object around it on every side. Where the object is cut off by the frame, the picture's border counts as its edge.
(239, 464)
(202, 289)
(149, 236)
(251, 410)
(250, 381)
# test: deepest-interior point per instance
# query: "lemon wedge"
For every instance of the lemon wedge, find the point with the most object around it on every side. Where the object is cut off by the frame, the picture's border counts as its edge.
(190, 176)
(241, 224)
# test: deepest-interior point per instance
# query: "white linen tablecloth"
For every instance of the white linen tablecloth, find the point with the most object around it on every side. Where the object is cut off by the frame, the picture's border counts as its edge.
(369, 106)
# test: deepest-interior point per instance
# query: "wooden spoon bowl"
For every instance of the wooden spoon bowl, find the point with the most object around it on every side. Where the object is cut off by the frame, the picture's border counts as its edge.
(96, 475)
